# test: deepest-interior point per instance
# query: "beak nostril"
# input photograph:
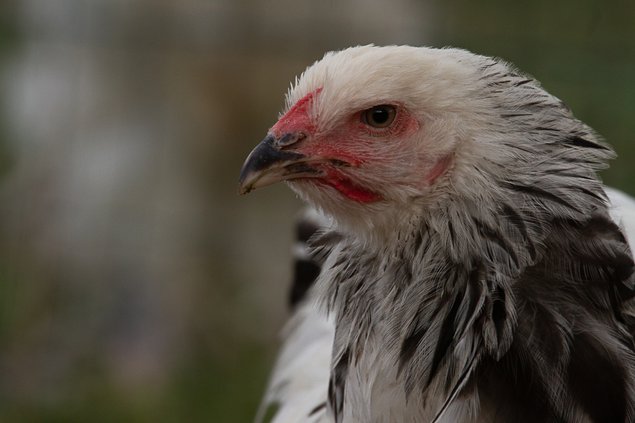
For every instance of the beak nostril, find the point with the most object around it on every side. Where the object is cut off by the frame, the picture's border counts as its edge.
(290, 138)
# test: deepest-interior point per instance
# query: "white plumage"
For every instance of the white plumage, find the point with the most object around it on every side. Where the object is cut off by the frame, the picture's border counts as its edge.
(470, 268)
(622, 209)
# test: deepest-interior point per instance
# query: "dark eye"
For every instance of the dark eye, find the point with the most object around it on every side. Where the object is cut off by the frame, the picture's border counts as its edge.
(379, 116)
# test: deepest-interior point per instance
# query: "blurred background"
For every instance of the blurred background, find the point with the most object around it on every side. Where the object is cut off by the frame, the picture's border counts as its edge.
(135, 284)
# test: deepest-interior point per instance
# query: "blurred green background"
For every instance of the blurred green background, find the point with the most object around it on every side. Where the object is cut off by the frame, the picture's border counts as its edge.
(135, 285)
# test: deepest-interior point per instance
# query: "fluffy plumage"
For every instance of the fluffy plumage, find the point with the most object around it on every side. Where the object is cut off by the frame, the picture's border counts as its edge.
(471, 269)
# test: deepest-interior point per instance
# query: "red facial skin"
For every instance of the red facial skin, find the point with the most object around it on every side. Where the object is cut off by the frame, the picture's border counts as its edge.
(297, 119)
(348, 188)
(353, 142)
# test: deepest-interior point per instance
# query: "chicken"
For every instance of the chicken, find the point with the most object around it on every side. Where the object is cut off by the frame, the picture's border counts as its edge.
(471, 270)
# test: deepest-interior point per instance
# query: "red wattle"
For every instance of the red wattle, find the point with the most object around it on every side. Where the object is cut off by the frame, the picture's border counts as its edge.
(349, 189)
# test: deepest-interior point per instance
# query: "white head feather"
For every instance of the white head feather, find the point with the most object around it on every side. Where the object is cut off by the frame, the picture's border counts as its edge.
(493, 121)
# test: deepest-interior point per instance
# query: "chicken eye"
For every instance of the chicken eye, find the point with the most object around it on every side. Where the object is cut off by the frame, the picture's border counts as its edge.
(379, 116)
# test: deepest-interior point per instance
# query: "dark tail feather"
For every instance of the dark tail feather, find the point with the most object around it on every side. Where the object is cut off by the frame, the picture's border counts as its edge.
(307, 262)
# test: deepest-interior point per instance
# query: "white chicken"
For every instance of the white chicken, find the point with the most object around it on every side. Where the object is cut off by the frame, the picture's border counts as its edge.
(470, 267)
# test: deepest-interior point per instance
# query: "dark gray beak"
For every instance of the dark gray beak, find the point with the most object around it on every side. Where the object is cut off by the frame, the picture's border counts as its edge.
(268, 164)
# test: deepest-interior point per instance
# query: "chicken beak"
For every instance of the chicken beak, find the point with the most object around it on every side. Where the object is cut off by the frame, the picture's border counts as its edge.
(268, 164)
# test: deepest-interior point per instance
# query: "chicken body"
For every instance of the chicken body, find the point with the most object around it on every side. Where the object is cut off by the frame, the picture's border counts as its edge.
(470, 266)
